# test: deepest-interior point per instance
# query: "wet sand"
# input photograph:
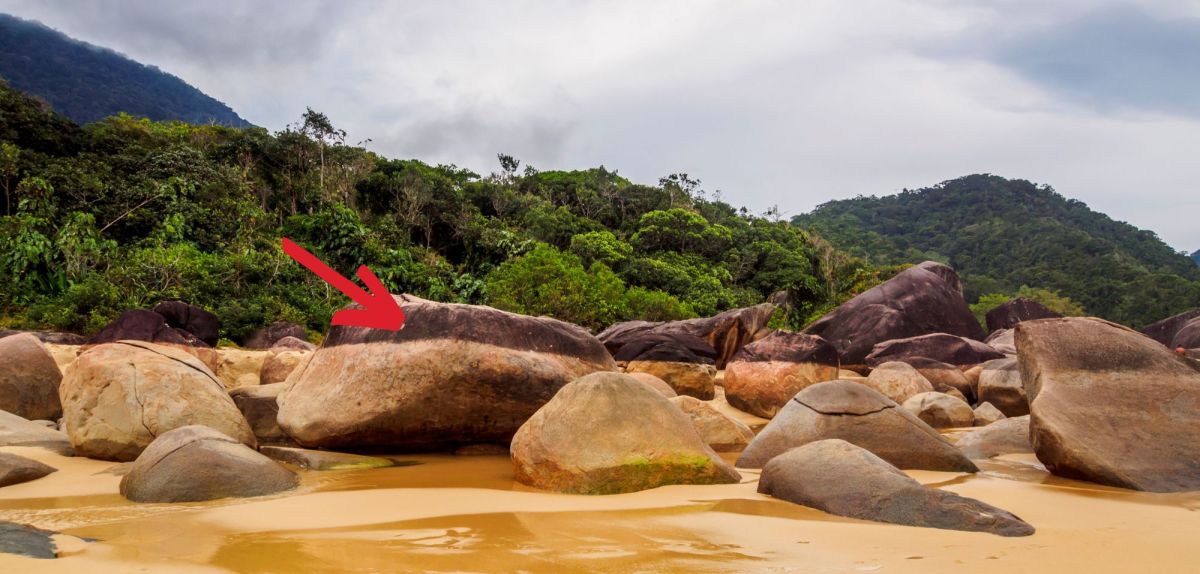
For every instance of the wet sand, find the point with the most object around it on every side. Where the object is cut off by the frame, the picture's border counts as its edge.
(465, 514)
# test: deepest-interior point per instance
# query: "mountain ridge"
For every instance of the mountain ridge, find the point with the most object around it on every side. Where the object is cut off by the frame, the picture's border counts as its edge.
(87, 83)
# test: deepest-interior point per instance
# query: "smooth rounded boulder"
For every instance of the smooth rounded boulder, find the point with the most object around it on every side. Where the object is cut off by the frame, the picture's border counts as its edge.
(944, 377)
(1164, 331)
(655, 383)
(920, 300)
(606, 433)
(726, 333)
(897, 381)
(1111, 406)
(17, 431)
(1009, 313)
(1003, 341)
(194, 463)
(767, 373)
(986, 414)
(858, 414)
(195, 320)
(1007, 436)
(949, 349)
(16, 469)
(718, 431)
(1000, 384)
(118, 397)
(1187, 337)
(29, 378)
(843, 479)
(685, 362)
(144, 325)
(454, 375)
(272, 334)
(940, 410)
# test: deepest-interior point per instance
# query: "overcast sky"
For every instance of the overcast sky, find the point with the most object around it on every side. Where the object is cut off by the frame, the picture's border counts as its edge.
(787, 103)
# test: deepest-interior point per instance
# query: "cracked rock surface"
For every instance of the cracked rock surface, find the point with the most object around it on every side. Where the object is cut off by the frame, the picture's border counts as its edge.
(117, 397)
(860, 415)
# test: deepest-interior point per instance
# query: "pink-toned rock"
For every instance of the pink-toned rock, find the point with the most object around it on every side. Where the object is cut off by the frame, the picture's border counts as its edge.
(766, 374)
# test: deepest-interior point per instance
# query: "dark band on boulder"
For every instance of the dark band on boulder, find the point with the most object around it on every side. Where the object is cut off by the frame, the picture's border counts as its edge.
(428, 320)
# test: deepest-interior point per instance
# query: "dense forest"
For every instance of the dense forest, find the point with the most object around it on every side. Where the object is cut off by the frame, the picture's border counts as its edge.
(125, 212)
(87, 83)
(1004, 234)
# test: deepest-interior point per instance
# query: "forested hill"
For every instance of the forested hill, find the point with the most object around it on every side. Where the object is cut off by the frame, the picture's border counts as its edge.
(123, 213)
(1196, 257)
(88, 83)
(1003, 234)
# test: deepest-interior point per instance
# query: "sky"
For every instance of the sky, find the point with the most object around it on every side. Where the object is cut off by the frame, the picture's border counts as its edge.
(771, 103)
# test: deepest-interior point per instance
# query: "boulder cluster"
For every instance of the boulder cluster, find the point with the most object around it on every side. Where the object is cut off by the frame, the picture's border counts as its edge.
(857, 398)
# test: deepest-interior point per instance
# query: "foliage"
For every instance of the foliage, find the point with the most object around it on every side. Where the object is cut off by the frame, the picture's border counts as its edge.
(127, 212)
(1004, 234)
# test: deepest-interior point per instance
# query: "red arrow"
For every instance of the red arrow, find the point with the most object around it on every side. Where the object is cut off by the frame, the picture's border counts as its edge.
(379, 309)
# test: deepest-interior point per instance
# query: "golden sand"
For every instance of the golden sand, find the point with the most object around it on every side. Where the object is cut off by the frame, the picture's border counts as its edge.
(465, 514)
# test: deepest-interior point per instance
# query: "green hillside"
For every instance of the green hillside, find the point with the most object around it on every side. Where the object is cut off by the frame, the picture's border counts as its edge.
(1003, 234)
(88, 83)
(126, 212)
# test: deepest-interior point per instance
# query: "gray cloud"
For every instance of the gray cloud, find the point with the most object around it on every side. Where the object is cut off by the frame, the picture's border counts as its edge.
(1116, 57)
(773, 103)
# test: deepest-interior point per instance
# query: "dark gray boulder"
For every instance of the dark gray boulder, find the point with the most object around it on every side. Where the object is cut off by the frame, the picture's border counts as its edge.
(1008, 314)
(195, 463)
(924, 299)
(858, 414)
(843, 479)
(15, 469)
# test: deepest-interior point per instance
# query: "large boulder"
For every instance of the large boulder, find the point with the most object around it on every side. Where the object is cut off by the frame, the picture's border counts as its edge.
(656, 383)
(1164, 331)
(118, 397)
(454, 375)
(843, 479)
(918, 301)
(290, 343)
(1003, 341)
(29, 378)
(718, 431)
(269, 336)
(200, 323)
(897, 381)
(280, 364)
(1111, 406)
(1007, 436)
(944, 377)
(49, 337)
(17, 431)
(1187, 337)
(15, 469)
(607, 433)
(767, 373)
(1008, 314)
(258, 404)
(237, 368)
(726, 332)
(683, 361)
(194, 463)
(143, 325)
(940, 410)
(855, 413)
(943, 347)
(986, 414)
(1000, 384)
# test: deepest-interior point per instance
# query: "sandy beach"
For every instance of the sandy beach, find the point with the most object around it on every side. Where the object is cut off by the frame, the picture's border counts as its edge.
(466, 514)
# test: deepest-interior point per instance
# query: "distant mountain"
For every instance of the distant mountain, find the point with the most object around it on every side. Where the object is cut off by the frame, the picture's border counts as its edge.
(87, 83)
(1002, 234)
(1196, 256)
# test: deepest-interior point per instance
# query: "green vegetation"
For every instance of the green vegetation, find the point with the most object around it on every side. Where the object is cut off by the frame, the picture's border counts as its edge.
(1004, 234)
(87, 83)
(1051, 300)
(125, 212)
